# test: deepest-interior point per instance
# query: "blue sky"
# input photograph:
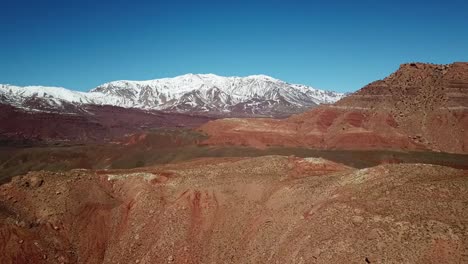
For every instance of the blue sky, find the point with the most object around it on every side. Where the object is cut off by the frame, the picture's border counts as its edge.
(336, 45)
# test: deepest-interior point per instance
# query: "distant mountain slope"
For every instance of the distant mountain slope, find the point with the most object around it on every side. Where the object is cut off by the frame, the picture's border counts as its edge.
(89, 123)
(196, 93)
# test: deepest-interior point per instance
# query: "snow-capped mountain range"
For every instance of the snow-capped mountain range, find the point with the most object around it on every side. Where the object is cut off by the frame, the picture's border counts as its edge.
(195, 93)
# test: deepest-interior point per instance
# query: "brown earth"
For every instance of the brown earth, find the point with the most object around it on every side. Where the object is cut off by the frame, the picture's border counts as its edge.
(419, 107)
(271, 209)
(163, 146)
(90, 123)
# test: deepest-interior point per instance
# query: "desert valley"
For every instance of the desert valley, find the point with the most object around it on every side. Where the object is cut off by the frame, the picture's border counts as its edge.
(211, 169)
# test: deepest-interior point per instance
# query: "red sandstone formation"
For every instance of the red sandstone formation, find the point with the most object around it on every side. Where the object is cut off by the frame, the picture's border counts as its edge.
(419, 107)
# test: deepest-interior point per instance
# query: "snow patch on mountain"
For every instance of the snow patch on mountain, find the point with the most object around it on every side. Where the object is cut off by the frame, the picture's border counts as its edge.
(261, 94)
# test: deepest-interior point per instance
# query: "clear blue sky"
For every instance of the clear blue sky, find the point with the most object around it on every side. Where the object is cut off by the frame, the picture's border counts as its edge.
(337, 45)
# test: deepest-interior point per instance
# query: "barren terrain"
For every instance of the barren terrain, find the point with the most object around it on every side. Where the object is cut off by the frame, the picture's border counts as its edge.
(379, 177)
(271, 209)
(419, 107)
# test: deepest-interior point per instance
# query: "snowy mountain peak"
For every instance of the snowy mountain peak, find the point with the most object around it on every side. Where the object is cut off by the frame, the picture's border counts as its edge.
(250, 95)
(262, 77)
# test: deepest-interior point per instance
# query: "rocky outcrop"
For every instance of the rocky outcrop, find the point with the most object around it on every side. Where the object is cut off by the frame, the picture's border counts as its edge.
(420, 106)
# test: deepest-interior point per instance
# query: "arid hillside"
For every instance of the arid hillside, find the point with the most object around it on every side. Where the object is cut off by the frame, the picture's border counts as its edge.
(419, 107)
(271, 209)
(85, 124)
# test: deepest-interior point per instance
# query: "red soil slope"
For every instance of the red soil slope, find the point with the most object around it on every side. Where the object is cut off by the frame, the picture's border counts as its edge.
(271, 209)
(421, 106)
(89, 124)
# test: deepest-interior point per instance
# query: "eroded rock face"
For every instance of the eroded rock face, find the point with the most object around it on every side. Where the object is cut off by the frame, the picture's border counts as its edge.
(271, 209)
(428, 102)
(421, 106)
